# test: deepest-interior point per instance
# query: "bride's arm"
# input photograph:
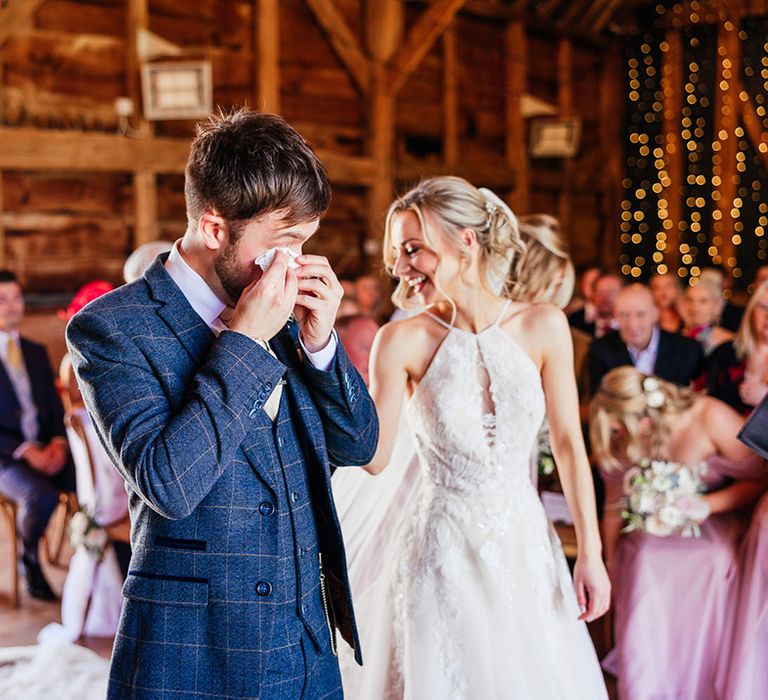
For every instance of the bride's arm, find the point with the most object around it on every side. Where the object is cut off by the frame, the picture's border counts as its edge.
(554, 339)
(389, 380)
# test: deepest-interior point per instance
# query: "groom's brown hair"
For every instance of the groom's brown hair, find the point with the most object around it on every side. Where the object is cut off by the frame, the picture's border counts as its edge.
(245, 164)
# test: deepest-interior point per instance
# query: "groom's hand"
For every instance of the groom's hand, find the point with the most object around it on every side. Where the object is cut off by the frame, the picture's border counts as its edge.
(265, 305)
(317, 302)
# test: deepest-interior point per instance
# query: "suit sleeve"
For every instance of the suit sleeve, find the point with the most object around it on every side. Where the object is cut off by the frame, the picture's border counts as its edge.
(349, 417)
(171, 457)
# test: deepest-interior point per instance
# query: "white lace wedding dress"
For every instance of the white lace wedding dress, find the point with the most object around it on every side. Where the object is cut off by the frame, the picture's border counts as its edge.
(474, 600)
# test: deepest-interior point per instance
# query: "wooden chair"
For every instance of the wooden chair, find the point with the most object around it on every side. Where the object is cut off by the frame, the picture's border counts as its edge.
(58, 526)
(8, 510)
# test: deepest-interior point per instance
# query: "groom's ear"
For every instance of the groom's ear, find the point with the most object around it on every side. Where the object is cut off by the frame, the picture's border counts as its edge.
(214, 229)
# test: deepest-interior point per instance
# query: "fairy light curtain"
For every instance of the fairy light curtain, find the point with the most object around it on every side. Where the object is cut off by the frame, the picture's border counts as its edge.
(696, 158)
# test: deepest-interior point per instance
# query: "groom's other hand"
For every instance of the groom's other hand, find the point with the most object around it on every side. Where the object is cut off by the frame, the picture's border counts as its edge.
(266, 304)
(317, 302)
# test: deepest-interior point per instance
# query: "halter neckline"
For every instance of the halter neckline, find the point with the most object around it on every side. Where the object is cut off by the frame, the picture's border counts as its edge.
(451, 327)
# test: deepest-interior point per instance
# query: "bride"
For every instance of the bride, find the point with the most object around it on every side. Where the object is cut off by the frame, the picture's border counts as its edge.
(463, 591)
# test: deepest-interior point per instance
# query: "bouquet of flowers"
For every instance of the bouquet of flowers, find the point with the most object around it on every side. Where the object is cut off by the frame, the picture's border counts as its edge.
(664, 498)
(544, 459)
(86, 533)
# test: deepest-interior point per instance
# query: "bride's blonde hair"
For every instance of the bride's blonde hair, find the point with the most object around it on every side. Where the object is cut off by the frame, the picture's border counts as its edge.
(458, 205)
(546, 271)
(635, 401)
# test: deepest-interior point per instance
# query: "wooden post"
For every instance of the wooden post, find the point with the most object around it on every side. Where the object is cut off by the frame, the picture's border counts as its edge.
(384, 27)
(610, 135)
(671, 86)
(138, 18)
(267, 56)
(450, 100)
(726, 105)
(145, 207)
(515, 78)
(565, 104)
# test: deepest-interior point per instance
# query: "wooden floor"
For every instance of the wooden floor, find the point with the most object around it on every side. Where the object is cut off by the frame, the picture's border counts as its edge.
(19, 626)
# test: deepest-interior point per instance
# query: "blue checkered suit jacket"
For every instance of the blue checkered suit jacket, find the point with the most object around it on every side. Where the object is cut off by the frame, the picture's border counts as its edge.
(180, 413)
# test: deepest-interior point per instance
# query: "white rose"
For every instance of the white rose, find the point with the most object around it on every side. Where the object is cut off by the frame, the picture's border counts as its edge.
(672, 517)
(659, 466)
(655, 526)
(661, 483)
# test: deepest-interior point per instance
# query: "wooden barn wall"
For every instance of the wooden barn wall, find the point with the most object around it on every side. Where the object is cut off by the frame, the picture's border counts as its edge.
(65, 67)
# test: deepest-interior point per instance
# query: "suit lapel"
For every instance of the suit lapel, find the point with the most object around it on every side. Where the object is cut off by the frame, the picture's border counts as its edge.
(6, 386)
(34, 374)
(663, 357)
(193, 333)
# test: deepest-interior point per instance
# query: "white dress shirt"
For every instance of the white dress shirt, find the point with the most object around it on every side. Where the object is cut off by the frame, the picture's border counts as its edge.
(208, 306)
(645, 359)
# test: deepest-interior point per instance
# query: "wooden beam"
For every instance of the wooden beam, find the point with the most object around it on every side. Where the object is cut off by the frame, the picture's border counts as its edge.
(429, 26)
(726, 121)
(2, 226)
(499, 177)
(343, 41)
(267, 55)
(145, 207)
(605, 16)
(450, 99)
(15, 15)
(20, 149)
(671, 86)
(516, 83)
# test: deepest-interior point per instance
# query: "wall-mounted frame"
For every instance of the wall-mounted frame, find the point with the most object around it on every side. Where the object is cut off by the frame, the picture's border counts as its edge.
(177, 89)
(555, 138)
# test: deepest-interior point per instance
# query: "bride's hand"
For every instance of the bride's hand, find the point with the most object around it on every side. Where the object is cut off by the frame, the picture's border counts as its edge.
(593, 587)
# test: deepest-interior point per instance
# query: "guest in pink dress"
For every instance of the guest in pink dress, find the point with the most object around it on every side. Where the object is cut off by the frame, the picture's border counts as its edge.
(671, 594)
(743, 674)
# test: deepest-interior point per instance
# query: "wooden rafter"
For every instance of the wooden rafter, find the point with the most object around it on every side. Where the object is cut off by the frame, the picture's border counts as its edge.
(343, 41)
(15, 14)
(429, 26)
(515, 85)
(606, 15)
(95, 152)
(450, 99)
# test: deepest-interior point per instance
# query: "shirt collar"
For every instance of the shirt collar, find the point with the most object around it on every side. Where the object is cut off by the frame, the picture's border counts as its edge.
(199, 295)
(653, 344)
(5, 336)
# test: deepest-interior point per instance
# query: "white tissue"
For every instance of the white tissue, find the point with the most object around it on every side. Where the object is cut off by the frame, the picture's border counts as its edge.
(265, 260)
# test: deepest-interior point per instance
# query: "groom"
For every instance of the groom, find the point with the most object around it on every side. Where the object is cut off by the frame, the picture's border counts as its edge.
(225, 400)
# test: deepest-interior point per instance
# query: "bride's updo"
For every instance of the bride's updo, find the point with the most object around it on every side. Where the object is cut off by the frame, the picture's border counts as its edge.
(458, 205)
(644, 406)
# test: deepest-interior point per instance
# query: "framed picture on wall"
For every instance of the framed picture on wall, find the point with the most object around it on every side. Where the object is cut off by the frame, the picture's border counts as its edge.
(555, 138)
(177, 90)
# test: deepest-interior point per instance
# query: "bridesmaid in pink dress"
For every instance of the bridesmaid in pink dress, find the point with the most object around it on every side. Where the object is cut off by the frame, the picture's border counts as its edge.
(672, 594)
(743, 673)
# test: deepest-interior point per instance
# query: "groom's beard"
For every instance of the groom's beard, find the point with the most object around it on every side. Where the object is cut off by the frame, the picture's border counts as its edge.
(233, 280)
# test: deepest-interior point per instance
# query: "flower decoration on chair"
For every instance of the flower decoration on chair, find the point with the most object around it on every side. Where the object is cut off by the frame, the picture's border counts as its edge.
(664, 498)
(85, 533)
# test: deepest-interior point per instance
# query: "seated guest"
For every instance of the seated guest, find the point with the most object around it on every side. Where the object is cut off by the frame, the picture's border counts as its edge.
(583, 299)
(737, 370)
(370, 296)
(703, 304)
(671, 593)
(668, 297)
(761, 275)
(356, 334)
(34, 459)
(141, 258)
(642, 343)
(606, 289)
(730, 314)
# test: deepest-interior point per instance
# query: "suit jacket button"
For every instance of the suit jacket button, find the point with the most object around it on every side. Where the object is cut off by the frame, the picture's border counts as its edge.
(263, 588)
(294, 497)
(268, 386)
(266, 508)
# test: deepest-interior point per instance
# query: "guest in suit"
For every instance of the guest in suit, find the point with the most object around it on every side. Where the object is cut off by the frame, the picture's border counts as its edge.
(34, 459)
(226, 417)
(640, 342)
(606, 288)
(668, 296)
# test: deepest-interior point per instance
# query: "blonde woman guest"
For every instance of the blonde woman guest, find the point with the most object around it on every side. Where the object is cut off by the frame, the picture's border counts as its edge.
(702, 305)
(668, 297)
(737, 370)
(669, 624)
(484, 605)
